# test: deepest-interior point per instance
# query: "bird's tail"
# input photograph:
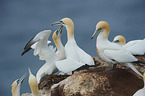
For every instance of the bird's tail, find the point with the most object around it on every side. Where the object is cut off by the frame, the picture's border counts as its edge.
(130, 65)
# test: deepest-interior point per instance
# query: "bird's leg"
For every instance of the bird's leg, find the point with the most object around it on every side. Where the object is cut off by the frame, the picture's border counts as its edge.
(72, 72)
(114, 66)
(111, 68)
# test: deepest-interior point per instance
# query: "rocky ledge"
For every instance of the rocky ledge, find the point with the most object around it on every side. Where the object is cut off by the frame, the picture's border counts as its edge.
(94, 81)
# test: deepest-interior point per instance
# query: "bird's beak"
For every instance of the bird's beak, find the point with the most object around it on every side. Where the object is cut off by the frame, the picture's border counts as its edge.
(96, 32)
(28, 46)
(57, 23)
(59, 31)
(22, 78)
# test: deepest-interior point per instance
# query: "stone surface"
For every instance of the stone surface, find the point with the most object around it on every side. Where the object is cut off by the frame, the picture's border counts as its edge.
(94, 81)
(98, 82)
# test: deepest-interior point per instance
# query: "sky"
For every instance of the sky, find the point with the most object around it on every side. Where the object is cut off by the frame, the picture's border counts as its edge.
(20, 20)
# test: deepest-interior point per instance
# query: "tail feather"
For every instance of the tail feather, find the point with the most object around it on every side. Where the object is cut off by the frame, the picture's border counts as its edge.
(130, 65)
(68, 65)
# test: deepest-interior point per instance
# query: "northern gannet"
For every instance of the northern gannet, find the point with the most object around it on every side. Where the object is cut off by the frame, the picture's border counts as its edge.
(136, 47)
(141, 92)
(75, 56)
(16, 85)
(111, 52)
(46, 52)
(33, 84)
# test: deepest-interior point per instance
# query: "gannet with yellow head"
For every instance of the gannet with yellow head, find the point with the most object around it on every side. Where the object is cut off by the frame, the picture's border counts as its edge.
(136, 47)
(141, 92)
(33, 84)
(16, 85)
(57, 41)
(46, 52)
(111, 52)
(75, 56)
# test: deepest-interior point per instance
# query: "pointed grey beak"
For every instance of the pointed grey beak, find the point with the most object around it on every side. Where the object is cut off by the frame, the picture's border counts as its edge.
(96, 32)
(28, 46)
(57, 23)
(20, 81)
(59, 31)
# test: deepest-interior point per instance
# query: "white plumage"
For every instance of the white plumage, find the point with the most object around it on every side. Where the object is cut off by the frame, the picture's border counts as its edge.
(46, 53)
(111, 52)
(136, 47)
(16, 85)
(75, 56)
(141, 92)
(33, 84)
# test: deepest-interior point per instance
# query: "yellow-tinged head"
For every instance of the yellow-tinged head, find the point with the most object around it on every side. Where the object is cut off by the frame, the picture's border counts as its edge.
(33, 83)
(119, 39)
(64, 22)
(56, 37)
(68, 23)
(14, 87)
(102, 27)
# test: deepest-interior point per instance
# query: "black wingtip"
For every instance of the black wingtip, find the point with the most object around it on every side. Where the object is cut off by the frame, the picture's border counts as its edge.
(25, 51)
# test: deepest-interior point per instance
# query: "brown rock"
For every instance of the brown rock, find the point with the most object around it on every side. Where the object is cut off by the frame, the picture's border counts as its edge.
(49, 80)
(98, 82)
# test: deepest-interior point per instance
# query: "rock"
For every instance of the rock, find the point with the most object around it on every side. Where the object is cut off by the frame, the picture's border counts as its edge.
(49, 80)
(98, 82)
(93, 81)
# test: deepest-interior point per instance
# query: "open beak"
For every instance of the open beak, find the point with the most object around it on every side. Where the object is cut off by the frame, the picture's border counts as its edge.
(22, 78)
(96, 32)
(59, 31)
(57, 23)
(28, 46)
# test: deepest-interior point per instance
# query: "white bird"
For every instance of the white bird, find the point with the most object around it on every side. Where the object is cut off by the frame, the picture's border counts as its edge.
(136, 47)
(34, 45)
(75, 56)
(16, 85)
(46, 52)
(141, 92)
(33, 84)
(111, 52)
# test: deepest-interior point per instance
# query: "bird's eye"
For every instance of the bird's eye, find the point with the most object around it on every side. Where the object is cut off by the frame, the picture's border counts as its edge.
(116, 41)
(100, 29)
(61, 22)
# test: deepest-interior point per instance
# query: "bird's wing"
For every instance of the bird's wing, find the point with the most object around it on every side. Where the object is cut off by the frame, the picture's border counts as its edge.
(85, 58)
(34, 45)
(45, 52)
(121, 56)
(68, 65)
(52, 48)
(46, 69)
(136, 47)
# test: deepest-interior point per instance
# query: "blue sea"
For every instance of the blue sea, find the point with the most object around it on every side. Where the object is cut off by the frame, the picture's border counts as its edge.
(20, 20)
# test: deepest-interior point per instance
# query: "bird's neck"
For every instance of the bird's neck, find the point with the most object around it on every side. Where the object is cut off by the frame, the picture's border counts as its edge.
(58, 44)
(34, 87)
(70, 31)
(17, 91)
(103, 35)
